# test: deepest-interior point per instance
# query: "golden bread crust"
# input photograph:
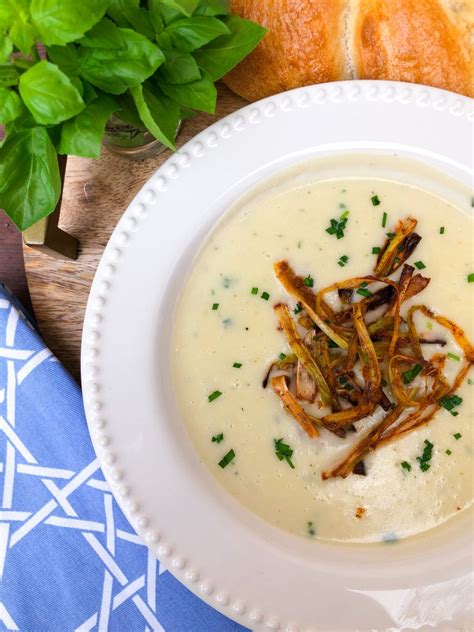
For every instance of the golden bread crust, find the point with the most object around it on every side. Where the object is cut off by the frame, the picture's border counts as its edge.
(413, 41)
(304, 45)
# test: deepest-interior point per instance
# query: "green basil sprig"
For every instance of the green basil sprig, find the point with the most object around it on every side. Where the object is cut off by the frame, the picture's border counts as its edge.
(67, 66)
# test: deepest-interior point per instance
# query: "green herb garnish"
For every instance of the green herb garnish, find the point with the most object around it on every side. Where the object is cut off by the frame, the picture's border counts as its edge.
(254, 290)
(282, 356)
(405, 465)
(337, 227)
(343, 260)
(425, 458)
(347, 386)
(218, 438)
(309, 281)
(470, 277)
(420, 265)
(363, 292)
(384, 220)
(265, 296)
(449, 402)
(283, 451)
(298, 308)
(448, 452)
(457, 435)
(311, 529)
(237, 365)
(453, 356)
(442, 230)
(390, 235)
(376, 250)
(214, 396)
(409, 376)
(215, 306)
(227, 458)
(375, 200)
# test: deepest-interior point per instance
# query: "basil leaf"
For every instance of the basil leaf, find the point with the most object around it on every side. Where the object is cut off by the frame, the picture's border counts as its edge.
(139, 19)
(8, 75)
(65, 21)
(198, 95)
(82, 135)
(127, 111)
(89, 93)
(31, 192)
(49, 94)
(173, 9)
(10, 105)
(117, 8)
(10, 10)
(221, 55)
(179, 67)
(104, 34)
(6, 48)
(159, 114)
(212, 7)
(22, 35)
(114, 70)
(155, 15)
(191, 33)
(65, 57)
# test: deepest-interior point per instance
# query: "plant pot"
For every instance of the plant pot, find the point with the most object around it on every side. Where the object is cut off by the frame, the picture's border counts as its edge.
(128, 140)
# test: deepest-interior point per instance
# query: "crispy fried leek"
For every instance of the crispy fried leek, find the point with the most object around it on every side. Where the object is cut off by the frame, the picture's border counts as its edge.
(398, 248)
(280, 386)
(295, 286)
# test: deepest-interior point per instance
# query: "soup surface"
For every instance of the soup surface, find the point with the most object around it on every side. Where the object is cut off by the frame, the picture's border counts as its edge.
(226, 335)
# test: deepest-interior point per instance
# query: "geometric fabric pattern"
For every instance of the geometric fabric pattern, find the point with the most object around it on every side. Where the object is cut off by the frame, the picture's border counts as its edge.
(69, 560)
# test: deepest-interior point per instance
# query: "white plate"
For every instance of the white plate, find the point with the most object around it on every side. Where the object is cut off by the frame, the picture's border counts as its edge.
(252, 572)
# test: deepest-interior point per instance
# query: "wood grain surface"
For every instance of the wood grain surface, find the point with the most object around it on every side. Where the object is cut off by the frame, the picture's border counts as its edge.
(96, 193)
(12, 269)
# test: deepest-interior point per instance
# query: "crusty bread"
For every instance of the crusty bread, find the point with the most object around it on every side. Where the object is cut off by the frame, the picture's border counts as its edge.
(313, 41)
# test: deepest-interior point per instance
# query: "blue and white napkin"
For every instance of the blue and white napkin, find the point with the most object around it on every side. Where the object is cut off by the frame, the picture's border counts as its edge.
(69, 560)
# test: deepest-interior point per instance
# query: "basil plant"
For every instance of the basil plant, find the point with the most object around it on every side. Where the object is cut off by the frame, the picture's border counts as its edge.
(67, 65)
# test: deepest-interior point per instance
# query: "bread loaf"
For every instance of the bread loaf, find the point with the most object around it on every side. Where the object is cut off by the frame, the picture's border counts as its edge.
(313, 41)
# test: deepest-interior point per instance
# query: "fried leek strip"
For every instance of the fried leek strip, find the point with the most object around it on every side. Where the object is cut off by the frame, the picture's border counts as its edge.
(280, 386)
(362, 447)
(398, 248)
(302, 352)
(295, 286)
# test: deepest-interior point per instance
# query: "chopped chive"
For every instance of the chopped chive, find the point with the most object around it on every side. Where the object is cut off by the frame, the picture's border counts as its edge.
(283, 451)
(215, 306)
(405, 465)
(409, 376)
(420, 265)
(470, 277)
(227, 458)
(214, 396)
(218, 438)
(345, 383)
(337, 227)
(453, 356)
(343, 260)
(469, 381)
(282, 356)
(376, 250)
(457, 435)
(309, 281)
(425, 458)
(237, 365)
(384, 220)
(298, 308)
(265, 296)
(254, 290)
(363, 292)
(449, 402)
(311, 529)
(375, 200)
(441, 230)
(448, 452)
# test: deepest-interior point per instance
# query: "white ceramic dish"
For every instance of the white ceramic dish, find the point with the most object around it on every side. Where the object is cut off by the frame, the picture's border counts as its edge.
(260, 576)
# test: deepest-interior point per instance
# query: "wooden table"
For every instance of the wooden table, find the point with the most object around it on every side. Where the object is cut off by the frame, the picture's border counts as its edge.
(96, 193)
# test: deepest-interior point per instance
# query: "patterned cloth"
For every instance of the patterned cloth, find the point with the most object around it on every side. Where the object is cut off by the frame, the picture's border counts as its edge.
(69, 560)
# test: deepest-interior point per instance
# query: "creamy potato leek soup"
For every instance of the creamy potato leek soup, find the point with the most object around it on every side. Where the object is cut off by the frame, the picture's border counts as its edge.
(322, 350)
